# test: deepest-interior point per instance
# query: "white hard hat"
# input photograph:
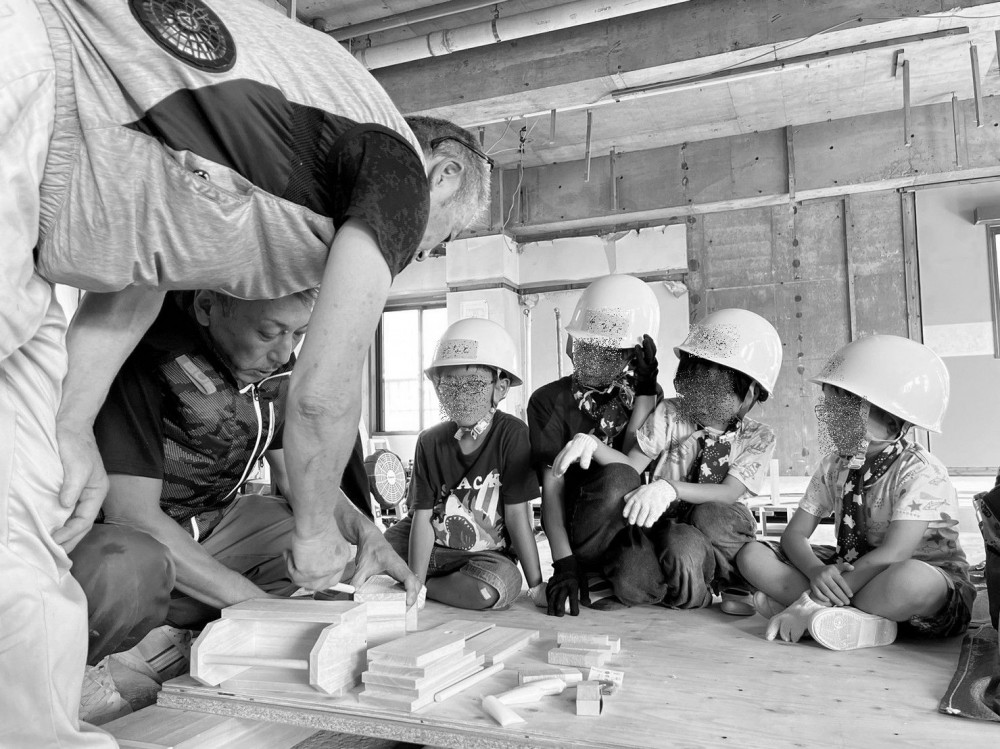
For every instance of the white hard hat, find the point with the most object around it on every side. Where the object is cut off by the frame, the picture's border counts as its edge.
(900, 376)
(738, 339)
(476, 340)
(616, 310)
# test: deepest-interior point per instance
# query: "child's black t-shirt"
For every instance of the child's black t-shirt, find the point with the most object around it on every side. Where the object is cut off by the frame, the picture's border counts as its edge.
(467, 493)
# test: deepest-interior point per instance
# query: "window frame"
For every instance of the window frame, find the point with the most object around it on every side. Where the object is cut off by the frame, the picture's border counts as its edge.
(993, 262)
(376, 381)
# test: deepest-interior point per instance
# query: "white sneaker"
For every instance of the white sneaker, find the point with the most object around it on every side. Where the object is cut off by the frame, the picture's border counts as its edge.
(163, 654)
(848, 628)
(100, 700)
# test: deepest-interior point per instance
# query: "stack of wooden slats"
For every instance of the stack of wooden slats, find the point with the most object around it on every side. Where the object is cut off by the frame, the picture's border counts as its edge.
(407, 673)
(583, 650)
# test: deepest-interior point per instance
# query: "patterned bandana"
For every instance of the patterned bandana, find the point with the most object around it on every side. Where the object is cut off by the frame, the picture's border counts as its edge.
(610, 407)
(712, 464)
(852, 536)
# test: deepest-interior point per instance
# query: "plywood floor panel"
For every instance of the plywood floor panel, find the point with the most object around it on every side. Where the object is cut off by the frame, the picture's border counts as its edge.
(692, 679)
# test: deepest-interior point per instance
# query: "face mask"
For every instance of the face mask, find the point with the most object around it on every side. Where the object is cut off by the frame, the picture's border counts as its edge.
(706, 395)
(843, 423)
(596, 365)
(465, 399)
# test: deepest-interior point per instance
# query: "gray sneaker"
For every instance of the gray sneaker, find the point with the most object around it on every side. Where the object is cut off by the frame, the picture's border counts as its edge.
(163, 654)
(100, 700)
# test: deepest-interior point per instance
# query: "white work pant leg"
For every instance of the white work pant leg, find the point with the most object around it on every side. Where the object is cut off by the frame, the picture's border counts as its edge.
(43, 613)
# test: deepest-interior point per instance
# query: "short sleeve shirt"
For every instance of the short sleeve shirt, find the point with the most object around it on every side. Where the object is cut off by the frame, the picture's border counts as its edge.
(916, 487)
(253, 159)
(554, 418)
(175, 413)
(672, 441)
(467, 493)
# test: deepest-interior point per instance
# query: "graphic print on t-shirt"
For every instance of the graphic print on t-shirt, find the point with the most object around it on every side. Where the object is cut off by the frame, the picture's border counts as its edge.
(468, 516)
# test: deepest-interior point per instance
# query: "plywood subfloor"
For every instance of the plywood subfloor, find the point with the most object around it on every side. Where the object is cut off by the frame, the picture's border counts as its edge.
(693, 679)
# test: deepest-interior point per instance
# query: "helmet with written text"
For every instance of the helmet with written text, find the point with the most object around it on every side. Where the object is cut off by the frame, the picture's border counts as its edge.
(477, 341)
(616, 310)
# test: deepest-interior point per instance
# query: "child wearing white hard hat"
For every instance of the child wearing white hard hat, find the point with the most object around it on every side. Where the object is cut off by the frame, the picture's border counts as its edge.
(898, 563)
(472, 482)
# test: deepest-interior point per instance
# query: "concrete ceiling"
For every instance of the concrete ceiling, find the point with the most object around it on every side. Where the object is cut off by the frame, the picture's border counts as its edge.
(838, 62)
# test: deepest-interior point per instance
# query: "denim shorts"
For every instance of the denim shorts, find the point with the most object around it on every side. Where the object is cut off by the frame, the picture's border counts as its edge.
(952, 619)
(494, 568)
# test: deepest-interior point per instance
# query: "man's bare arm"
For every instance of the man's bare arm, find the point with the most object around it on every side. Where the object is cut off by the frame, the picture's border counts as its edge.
(324, 401)
(104, 331)
(134, 501)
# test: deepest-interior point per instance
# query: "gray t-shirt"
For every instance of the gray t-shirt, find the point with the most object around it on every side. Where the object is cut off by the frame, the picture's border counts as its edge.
(215, 145)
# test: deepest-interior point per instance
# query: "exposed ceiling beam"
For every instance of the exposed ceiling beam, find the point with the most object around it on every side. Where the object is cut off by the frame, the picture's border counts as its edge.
(853, 155)
(560, 69)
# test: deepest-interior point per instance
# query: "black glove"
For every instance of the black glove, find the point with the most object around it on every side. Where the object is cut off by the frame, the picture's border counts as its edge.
(646, 367)
(562, 586)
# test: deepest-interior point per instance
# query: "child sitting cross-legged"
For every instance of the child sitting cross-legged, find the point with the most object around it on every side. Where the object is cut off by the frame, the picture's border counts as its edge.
(898, 557)
(472, 482)
(675, 539)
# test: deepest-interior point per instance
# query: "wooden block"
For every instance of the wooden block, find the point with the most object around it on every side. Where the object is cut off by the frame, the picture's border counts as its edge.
(221, 637)
(418, 649)
(380, 588)
(500, 712)
(468, 682)
(500, 642)
(588, 698)
(537, 673)
(578, 657)
(590, 642)
(466, 627)
(388, 598)
(418, 678)
(339, 651)
(532, 692)
(431, 686)
(294, 609)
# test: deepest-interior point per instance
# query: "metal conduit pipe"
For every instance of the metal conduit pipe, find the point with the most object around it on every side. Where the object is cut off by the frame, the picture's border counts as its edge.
(418, 15)
(485, 33)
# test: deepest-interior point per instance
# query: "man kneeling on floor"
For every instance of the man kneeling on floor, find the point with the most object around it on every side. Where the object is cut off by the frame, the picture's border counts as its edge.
(898, 557)
(195, 408)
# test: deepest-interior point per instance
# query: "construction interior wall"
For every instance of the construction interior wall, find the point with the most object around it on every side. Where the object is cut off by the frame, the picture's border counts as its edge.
(959, 318)
(521, 286)
(820, 271)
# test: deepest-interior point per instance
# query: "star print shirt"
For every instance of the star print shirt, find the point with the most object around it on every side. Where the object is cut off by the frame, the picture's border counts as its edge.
(915, 487)
(468, 493)
(672, 441)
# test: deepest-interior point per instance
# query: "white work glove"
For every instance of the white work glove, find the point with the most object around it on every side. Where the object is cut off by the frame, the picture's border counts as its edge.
(645, 505)
(792, 623)
(580, 450)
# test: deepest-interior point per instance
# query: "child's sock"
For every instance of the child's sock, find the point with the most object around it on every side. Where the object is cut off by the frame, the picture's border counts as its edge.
(766, 606)
(848, 628)
(793, 622)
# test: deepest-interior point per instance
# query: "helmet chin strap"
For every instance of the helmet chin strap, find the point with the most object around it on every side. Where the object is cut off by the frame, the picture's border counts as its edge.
(749, 401)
